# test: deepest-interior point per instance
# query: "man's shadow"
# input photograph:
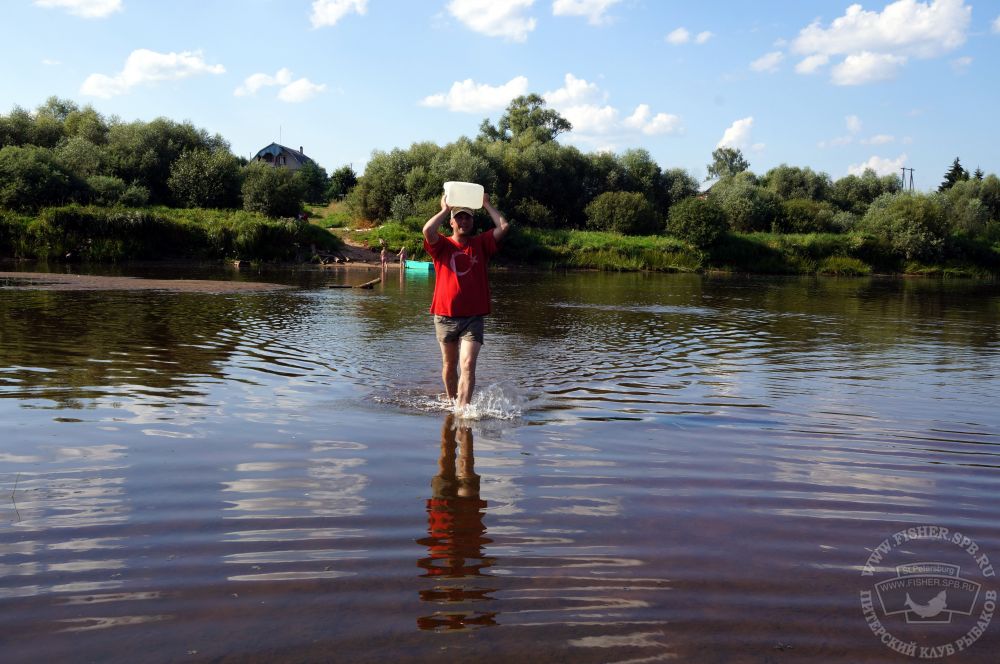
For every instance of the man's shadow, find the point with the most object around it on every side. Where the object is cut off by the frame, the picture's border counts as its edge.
(455, 539)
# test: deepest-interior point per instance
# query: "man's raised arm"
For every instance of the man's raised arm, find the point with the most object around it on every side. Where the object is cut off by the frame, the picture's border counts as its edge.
(434, 223)
(500, 224)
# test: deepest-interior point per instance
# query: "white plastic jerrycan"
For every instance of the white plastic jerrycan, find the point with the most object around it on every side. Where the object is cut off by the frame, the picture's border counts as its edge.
(463, 194)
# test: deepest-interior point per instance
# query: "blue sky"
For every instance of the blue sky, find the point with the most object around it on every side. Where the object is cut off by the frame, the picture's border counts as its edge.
(823, 83)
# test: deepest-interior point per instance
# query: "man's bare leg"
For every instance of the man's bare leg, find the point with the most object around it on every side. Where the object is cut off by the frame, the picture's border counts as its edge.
(468, 354)
(449, 368)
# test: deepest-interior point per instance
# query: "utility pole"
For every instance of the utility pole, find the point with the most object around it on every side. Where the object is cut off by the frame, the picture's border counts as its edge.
(902, 181)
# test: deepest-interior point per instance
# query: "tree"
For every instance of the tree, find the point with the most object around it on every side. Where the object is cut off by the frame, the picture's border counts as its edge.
(854, 193)
(273, 192)
(526, 118)
(342, 181)
(31, 177)
(313, 179)
(955, 174)
(791, 182)
(626, 212)
(749, 207)
(913, 226)
(978, 175)
(698, 221)
(205, 179)
(726, 162)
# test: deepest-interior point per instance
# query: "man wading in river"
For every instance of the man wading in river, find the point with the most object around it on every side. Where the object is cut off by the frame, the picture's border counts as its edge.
(461, 292)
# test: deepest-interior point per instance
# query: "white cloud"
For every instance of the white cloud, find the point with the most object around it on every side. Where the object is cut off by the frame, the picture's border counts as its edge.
(144, 66)
(768, 62)
(255, 82)
(300, 91)
(875, 44)
(853, 123)
(49, 62)
(960, 65)
(495, 18)
(904, 27)
(470, 97)
(880, 165)
(291, 91)
(812, 64)
(866, 67)
(739, 135)
(328, 12)
(590, 118)
(683, 36)
(678, 37)
(996, 25)
(661, 123)
(574, 92)
(84, 8)
(878, 139)
(584, 105)
(594, 10)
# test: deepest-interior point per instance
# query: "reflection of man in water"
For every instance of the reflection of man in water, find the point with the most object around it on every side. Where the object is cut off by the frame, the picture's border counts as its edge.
(456, 534)
(461, 291)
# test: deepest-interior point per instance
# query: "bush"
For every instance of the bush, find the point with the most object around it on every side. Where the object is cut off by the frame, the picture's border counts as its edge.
(803, 215)
(749, 207)
(201, 178)
(913, 226)
(273, 192)
(625, 212)
(698, 221)
(105, 189)
(30, 177)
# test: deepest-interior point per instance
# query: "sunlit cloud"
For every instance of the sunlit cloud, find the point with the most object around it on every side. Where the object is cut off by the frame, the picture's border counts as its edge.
(146, 67)
(878, 139)
(594, 10)
(299, 91)
(661, 123)
(255, 82)
(678, 37)
(329, 12)
(961, 65)
(470, 97)
(683, 36)
(83, 8)
(584, 105)
(812, 64)
(768, 62)
(739, 135)
(862, 68)
(875, 45)
(495, 18)
(881, 165)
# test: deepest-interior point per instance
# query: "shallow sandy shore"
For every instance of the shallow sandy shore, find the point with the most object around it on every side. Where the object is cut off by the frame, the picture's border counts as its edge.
(48, 281)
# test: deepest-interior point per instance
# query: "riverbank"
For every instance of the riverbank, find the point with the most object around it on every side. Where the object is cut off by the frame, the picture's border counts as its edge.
(108, 235)
(835, 254)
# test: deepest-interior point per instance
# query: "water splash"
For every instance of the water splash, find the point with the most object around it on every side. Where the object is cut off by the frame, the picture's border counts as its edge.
(497, 401)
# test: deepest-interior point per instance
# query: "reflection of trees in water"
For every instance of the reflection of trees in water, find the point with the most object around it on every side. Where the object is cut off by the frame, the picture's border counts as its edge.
(456, 537)
(72, 346)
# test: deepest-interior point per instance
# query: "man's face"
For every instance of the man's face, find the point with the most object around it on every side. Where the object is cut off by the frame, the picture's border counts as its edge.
(461, 224)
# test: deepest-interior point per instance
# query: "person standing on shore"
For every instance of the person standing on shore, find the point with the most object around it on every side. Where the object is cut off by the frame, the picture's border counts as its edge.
(461, 291)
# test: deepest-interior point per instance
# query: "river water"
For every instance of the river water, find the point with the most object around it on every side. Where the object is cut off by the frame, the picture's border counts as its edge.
(663, 467)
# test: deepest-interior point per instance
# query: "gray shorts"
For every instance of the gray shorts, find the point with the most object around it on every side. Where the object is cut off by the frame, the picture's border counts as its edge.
(451, 329)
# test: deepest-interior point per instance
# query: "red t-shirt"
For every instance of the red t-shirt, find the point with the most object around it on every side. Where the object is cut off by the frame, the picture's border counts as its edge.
(461, 287)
